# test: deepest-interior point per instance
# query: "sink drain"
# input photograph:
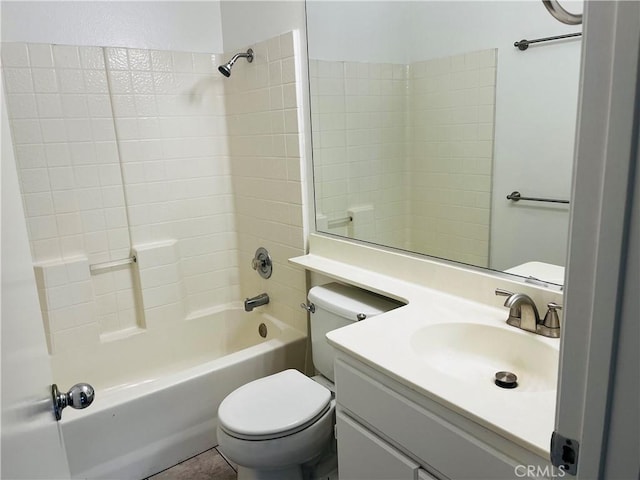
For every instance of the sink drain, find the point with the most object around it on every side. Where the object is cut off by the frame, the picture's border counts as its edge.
(506, 380)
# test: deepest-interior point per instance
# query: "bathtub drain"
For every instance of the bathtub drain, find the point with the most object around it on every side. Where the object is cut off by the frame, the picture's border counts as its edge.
(262, 330)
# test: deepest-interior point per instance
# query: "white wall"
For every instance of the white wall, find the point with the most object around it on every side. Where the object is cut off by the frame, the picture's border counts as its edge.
(247, 22)
(177, 25)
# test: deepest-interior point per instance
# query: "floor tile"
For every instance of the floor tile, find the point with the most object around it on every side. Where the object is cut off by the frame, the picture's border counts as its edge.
(209, 465)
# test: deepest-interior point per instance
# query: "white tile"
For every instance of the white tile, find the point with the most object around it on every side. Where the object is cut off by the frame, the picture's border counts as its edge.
(61, 178)
(69, 339)
(83, 153)
(78, 130)
(139, 59)
(18, 80)
(120, 82)
(41, 228)
(65, 56)
(40, 55)
(30, 156)
(45, 250)
(69, 224)
(275, 73)
(106, 152)
(203, 63)
(22, 105)
(103, 129)
(289, 96)
(38, 204)
(288, 70)
(286, 45)
(96, 81)
(71, 81)
(26, 131)
(14, 55)
(64, 201)
(74, 106)
(99, 106)
(116, 58)
(161, 61)
(182, 62)
(49, 105)
(92, 58)
(86, 176)
(142, 83)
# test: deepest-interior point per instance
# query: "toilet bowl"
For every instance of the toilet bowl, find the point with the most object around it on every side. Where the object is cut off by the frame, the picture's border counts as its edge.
(280, 427)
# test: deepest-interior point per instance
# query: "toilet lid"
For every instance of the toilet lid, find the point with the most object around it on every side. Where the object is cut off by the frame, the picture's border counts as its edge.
(272, 405)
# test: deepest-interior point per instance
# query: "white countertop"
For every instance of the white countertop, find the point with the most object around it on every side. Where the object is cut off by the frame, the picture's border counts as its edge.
(383, 343)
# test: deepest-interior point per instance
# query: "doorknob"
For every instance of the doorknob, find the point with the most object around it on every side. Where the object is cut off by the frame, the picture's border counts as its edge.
(79, 396)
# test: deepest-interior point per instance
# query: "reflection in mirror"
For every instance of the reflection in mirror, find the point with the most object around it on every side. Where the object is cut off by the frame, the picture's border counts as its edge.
(425, 117)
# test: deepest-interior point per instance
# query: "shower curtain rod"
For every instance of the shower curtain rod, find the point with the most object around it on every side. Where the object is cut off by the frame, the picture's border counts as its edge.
(524, 44)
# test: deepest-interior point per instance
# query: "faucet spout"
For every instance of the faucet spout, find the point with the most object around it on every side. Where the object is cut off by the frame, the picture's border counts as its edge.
(257, 301)
(523, 312)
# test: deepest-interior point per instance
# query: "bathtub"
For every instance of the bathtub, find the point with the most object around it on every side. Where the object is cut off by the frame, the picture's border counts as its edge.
(158, 391)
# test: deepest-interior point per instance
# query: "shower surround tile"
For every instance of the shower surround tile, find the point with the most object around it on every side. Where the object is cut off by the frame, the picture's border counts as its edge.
(417, 143)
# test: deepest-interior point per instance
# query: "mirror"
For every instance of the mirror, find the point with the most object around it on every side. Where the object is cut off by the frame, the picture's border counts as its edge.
(425, 117)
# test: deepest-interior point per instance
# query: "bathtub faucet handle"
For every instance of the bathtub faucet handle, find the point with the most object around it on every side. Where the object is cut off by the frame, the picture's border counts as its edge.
(79, 396)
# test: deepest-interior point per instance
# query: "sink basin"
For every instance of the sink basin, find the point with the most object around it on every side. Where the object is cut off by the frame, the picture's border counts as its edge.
(473, 353)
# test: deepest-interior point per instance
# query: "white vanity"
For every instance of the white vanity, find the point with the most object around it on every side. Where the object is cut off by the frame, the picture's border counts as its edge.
(415, 390)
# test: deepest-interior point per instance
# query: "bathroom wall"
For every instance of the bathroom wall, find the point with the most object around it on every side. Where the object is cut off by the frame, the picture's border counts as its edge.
(161, 187)
(263, 121)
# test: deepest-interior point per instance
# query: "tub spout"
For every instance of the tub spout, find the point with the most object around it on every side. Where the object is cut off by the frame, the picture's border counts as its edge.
(251, 303)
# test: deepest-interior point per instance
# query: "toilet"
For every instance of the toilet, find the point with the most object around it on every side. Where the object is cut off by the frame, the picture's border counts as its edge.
(280, 427)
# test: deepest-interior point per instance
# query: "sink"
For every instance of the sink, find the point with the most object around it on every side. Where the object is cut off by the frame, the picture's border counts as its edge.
(474, 353)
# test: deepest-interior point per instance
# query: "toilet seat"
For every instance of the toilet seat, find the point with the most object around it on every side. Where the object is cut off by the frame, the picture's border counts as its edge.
(275, 406)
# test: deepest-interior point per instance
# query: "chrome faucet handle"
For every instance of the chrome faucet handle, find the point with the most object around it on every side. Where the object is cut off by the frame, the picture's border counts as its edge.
(503, 293)
(550, 326)
(551, 319)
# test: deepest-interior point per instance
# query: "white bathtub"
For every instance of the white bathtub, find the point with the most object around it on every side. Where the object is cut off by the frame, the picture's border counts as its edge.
(158, 392)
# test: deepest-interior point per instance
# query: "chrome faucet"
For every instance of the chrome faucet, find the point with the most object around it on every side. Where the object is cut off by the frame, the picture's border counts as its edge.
(523, 314)
(257, 301)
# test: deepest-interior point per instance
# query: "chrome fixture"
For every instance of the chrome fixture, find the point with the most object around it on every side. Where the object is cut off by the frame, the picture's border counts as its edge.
(340, 222)
(226, 68)
(251, 303)
(262, 263)
(79, 396)
(561, 14)
(524, 44)
(523, 314)
(516, 196)
(311, 308)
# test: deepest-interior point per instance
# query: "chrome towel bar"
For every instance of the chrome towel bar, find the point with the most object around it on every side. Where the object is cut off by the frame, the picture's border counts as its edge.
(524, 44)
(516, 196)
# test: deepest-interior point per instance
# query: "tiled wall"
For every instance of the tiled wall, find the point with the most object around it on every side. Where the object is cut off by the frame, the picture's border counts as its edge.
(264, 143)
(452, 103)
(125, 151)
(359, 128)
(406, 152)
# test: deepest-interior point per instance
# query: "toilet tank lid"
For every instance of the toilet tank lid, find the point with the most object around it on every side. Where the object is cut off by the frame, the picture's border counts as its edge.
(347, 301)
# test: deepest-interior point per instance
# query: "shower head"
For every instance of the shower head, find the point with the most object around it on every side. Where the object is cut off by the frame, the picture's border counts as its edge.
(226, 68)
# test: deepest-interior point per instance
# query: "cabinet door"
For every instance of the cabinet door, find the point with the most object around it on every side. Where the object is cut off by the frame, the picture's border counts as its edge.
(364, 456)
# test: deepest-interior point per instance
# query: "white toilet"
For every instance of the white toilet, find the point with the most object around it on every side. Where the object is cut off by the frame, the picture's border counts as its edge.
(280, 427)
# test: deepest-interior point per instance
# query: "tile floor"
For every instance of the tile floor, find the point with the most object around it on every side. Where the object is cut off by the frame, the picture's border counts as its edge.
(209, 465)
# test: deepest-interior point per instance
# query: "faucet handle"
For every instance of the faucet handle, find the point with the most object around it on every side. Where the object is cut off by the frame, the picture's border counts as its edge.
(503, 293)
(551, 319)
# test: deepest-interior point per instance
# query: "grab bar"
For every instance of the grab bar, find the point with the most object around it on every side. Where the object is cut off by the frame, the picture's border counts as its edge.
(524, 44)
(98, 267)
(516, 196)
(340, 222)
(561, 14)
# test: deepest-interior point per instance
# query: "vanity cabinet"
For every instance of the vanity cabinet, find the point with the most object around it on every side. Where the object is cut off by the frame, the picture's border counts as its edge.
(385, 430)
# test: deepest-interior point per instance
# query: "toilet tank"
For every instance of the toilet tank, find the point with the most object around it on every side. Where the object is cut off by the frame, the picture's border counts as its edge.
(337, 306)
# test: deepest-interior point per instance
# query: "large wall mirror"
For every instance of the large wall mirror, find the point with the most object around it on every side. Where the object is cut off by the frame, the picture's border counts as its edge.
(425, 117)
